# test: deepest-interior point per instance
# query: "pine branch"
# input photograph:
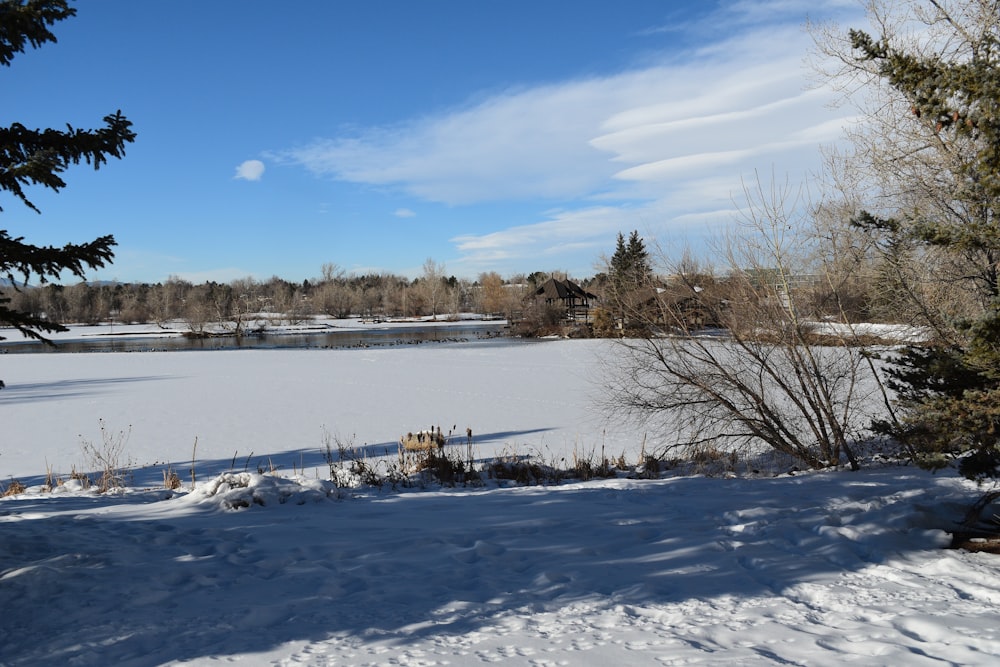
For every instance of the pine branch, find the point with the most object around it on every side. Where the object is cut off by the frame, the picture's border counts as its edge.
(37, 157)
(27, 324)
(22, 24)
(19, 258)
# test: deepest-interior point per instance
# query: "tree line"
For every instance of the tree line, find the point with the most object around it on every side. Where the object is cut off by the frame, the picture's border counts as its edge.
(335, 294)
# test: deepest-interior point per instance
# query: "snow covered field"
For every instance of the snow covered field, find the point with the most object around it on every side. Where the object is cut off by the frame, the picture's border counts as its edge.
(819, 568)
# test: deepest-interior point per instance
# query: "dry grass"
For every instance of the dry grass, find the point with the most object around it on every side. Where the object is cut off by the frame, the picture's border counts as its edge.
(171, 480)
(423, 441)
(14, 488)
(80, 477)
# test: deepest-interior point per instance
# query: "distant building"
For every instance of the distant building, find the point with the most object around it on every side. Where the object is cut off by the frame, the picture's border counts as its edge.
(574, 298)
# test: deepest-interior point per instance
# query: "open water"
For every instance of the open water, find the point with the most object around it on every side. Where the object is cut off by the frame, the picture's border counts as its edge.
(375, 337)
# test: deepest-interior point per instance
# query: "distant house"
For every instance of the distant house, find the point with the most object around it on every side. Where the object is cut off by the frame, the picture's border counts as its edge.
(574, 298)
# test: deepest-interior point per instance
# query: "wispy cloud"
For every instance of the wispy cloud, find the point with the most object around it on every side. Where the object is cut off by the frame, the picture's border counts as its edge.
(250, 170)
(519, 145)
(665, 143)
(404, 213)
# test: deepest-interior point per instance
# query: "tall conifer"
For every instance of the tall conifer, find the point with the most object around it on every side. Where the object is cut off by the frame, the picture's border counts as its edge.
(949, 395)
(39, 157)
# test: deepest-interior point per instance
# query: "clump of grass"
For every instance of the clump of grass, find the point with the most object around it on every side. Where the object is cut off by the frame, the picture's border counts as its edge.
(709, 459)
(80, 477)
(438, 464)
(587, 467)
(269, 469)
(347, 468)
(524, 470)
(441, 463)
(51, 479)
(649, 467)
(446, 468)
(14, 488)
(171, 480)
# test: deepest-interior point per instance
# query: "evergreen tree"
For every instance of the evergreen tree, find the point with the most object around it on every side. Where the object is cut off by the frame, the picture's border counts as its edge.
(629, 276)
(619, 260)
(38, 157)
(630, 267)
(638, 259)
(949, 395)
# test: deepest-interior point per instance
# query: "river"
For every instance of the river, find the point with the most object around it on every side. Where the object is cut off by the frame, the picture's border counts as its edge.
(325, 339)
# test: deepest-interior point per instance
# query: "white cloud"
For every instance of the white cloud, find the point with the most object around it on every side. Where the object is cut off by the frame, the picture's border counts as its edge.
(580, 224)
(660, 145)
(520, 145)
(404, 213)
(250, 170)
(569, 141)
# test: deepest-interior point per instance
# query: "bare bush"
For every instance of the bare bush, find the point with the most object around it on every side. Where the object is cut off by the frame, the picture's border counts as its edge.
(109, 458)
(761, 380)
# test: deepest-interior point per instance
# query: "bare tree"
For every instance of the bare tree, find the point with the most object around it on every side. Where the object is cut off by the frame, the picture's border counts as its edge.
(492, 294)
(199, 307)
(336, 299)
(167, 301)
(332, 272)
(239, 305)
(768, 381)
(434, 286)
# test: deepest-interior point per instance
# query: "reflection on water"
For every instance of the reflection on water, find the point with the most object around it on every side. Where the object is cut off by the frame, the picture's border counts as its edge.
(384, 337)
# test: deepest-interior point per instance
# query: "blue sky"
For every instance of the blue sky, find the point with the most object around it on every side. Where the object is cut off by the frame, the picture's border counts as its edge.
(508, 136)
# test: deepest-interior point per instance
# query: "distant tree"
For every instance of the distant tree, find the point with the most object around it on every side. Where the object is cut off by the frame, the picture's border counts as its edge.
(536, 278)
(630, 263)
(169, 298)
(370, 293)
(38, 157)
(336, 299)
(493, 294)
(198, 306)
(332, 272)
(239, 306)
(629, 277)
(134, 306)
(435, 286)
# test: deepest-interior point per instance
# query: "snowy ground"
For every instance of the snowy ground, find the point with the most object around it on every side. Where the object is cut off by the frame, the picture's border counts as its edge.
(821, 568)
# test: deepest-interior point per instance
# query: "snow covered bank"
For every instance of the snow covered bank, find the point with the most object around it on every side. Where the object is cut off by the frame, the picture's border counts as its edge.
(825, 568)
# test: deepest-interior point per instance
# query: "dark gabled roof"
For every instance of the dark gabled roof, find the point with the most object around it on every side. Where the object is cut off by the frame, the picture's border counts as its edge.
(562, 289)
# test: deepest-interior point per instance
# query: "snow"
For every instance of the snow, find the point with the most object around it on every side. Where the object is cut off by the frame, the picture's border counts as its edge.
(901, 333)
(290, 569)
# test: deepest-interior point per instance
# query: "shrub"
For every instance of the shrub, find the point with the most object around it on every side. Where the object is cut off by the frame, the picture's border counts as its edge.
(108, 458)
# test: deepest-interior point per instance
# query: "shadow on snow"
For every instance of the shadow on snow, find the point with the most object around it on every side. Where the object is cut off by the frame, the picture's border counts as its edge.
(286, 462)
(40, 391)
(117, 587)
